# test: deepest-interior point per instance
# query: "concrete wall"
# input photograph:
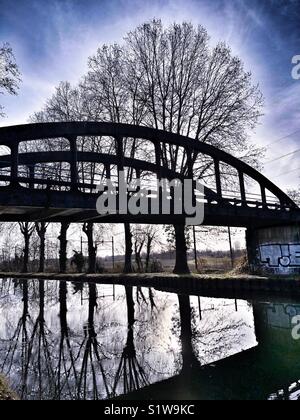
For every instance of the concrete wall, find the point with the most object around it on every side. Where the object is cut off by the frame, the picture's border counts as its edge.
(274, 251)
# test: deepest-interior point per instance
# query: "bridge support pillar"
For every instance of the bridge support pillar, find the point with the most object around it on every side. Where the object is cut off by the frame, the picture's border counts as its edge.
(274, 251)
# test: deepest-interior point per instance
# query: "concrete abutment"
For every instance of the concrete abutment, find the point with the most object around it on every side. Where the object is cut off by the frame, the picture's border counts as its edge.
(274, 251)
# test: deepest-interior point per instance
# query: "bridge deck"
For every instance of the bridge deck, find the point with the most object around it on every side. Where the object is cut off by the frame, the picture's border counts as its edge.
(22, 204)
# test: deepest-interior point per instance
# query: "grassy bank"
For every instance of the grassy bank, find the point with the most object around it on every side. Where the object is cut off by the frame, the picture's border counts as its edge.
(238, 286)
(5, 392)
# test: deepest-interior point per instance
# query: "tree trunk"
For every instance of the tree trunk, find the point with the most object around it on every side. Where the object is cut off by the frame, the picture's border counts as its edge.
(138, 259)
(26, 252)
(128, 249)
(88, 229)
(63, 247)
(41, 229)
(181, 266)
(148, 253)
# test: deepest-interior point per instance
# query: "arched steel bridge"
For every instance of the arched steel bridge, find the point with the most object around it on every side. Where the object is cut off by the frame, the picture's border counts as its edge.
(49, 174)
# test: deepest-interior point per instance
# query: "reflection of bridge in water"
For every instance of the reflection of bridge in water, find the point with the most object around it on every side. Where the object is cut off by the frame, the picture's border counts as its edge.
(270, 370)
(68, 363)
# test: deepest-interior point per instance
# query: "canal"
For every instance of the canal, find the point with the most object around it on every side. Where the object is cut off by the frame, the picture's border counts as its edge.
(67, 340)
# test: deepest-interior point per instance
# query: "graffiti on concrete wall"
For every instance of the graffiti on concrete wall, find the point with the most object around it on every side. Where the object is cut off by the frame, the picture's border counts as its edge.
(280, 315)
(279, 255)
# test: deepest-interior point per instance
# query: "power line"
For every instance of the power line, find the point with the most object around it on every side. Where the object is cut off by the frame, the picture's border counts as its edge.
(283, 138)
(283, 156)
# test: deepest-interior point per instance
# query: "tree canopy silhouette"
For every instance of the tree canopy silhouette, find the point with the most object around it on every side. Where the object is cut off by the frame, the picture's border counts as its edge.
(9, 72)
(168, 78)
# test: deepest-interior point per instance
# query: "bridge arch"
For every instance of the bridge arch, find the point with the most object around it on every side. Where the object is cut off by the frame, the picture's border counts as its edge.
(61, 194)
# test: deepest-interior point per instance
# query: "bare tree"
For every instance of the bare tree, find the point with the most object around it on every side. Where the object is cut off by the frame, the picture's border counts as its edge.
(295, 195)
(144, 237)
(168, 78)
(71, 104)
(27, 230)
(171, 79)
(9, 72)
(139, 242)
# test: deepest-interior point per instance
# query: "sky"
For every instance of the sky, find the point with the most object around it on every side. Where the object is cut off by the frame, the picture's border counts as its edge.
(52, 41)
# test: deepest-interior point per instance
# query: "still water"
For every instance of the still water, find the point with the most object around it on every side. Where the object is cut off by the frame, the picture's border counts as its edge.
(63, 340)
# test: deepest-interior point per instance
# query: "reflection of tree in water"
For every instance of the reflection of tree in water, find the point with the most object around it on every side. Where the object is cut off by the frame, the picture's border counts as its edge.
(130, 375)
(64, 364)
(91, 371)
(155, 336)
(18, 350)
(40, 355)
(66, 370)
(219, 334)
(140, 296)
(31, 348)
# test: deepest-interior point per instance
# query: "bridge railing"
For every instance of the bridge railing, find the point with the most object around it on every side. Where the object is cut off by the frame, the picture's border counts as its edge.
(49, 185)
